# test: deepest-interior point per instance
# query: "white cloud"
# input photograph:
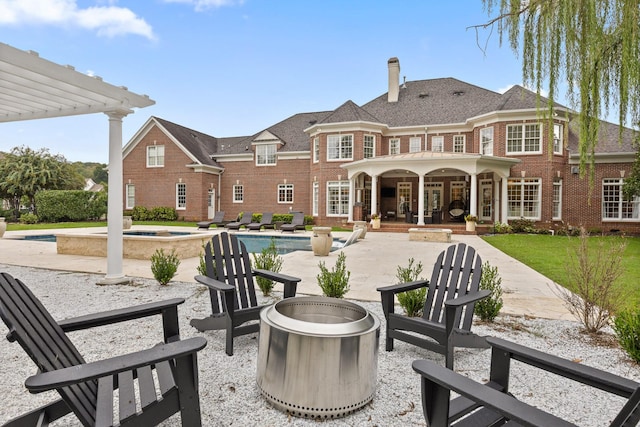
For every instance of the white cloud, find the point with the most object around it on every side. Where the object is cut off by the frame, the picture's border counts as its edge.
(107, 20)
(200, 5)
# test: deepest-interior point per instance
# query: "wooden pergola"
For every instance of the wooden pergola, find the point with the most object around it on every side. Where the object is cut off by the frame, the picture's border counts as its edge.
(35, 88)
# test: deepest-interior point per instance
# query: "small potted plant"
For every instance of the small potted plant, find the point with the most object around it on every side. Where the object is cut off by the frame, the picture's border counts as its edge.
(375, 220)
(471, 221)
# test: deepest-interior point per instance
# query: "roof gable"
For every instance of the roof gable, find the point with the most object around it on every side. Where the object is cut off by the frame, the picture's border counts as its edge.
(349, 112)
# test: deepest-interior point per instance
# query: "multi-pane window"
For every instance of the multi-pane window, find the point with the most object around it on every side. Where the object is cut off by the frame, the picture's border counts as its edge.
(340, 147)
(415, 144)
(523, 138)
(315, 198)
(486, 141)
(394, 146)
(131, 196)
(316, 150)
(285, 193)
(459, 144)
(557, 200)
(337, 198)
(458, 190)
(437, 144)
(369, 146)
(238, 193)
(557, 139)
(614, 206)
(181, 196)
(266, 154)
(523, 198)
(155, 156)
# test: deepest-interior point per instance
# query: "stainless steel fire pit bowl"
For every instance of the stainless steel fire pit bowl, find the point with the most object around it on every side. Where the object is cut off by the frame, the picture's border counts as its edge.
(317, 356)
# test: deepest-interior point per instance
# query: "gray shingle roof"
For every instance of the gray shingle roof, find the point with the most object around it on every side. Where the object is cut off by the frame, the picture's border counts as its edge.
(199, 144)
(349, 112)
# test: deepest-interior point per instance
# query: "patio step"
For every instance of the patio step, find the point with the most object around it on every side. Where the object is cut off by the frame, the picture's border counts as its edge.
(455, 227)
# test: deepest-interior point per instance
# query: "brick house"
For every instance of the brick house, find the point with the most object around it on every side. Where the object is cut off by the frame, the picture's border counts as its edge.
(423, 152)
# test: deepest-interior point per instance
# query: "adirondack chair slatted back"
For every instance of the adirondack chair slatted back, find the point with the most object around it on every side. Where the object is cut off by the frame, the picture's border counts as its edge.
(227, 260)
(45, 342)
(456, 272)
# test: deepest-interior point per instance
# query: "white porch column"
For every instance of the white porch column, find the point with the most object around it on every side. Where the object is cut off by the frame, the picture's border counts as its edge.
(473, 196)
(496, 199)
(374, 194)
(504, 199)
(115, 273)
(352, 191)
(421, 199)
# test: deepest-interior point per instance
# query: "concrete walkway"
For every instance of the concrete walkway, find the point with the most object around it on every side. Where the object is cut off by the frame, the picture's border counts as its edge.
(372, 262)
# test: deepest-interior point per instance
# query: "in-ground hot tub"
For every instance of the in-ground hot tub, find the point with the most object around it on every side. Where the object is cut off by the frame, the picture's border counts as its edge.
(317, 356)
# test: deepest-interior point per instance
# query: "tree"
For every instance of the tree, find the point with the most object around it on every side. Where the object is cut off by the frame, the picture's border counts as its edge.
(24, 172)
(100, 174)
(592, 45)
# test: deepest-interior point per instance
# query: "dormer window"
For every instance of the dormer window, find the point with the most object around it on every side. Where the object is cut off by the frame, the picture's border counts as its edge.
(265, 154)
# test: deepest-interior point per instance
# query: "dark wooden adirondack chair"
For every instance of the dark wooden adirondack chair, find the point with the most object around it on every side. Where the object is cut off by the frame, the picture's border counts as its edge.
(448, 311)
(491, 404)
(232, 290)
(87, 389)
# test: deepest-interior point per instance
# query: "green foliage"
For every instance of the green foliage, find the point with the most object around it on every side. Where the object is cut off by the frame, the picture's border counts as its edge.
(593, 276)
(202, 265)
(489, 308)
(164, 266)
(28, 218)
(471, 218)
(70, 205)
(334, 283)
(411, 301)
(140, 213)
(100, 174)
(501, 228)
(523, 225)
(161, 213)
(627, 328)
(269, 260)
(631, 186)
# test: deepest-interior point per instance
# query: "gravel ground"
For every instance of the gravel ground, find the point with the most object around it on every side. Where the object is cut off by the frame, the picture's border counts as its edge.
(228, 392)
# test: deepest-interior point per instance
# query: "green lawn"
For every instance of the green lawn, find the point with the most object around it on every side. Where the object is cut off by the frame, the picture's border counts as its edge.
(549, 255)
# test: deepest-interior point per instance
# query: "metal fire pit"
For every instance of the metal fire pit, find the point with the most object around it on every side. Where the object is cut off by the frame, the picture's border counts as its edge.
(317, 356)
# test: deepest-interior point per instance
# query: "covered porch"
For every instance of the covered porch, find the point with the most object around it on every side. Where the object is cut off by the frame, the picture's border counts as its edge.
(429, 187)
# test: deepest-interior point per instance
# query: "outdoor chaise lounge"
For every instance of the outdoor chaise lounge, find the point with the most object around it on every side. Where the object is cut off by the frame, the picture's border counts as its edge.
(243, 222)
(297, 223)
(266, 221)
(151, 384)
(447, 315)
(217, 220)
(493, 404)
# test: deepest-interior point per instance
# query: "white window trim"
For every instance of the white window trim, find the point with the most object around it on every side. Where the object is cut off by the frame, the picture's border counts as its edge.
(412, 144)
(148, 156)
(183, 185)
(316, 150)
(560, 138)
(437, 140)
(373, 146)
(233, 193)
(490, 142)
(128, 196)
(283, 188)
(558, 185)
(315, 196)
(340, 185)
(464, 143)
(527, 181)
(340, 147)
(267, 154)
(619, 182)
(395, 141)
(522, 152)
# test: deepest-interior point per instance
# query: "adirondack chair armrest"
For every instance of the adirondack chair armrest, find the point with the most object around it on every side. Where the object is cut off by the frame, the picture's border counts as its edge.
(403, 287)
(214, 284)
(467, 299)
(119, 315)
(440, 381)
(290, 282)
(89, 371)
(566, 368)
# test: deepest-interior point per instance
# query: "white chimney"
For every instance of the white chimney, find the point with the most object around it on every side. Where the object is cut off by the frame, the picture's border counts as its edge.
(394, 79)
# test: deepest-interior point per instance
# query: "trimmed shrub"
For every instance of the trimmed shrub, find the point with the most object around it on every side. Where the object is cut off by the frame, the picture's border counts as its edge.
(28, 218)
(269, 260)
(334, 283)
(411, 301)
(489, 308)
(140, 213)
(627, 327)
(164, 266)
(70, 205)
(163, 213)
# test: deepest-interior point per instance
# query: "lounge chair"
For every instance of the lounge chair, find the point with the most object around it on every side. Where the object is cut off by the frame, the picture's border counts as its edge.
(87, 389)
(243, 222)
(297, 223)
(266, 221)
(492, 404)
(448, 310)
(217, 220)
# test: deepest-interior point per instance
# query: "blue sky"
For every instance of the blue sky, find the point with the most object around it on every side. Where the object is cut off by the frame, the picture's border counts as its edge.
(232, 68)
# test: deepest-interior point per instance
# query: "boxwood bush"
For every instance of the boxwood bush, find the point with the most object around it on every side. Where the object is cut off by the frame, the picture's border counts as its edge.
(70, 205)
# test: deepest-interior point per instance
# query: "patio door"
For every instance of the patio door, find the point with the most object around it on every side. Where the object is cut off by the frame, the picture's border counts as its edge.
(211, 200)
(486, 200)
(404, 197)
